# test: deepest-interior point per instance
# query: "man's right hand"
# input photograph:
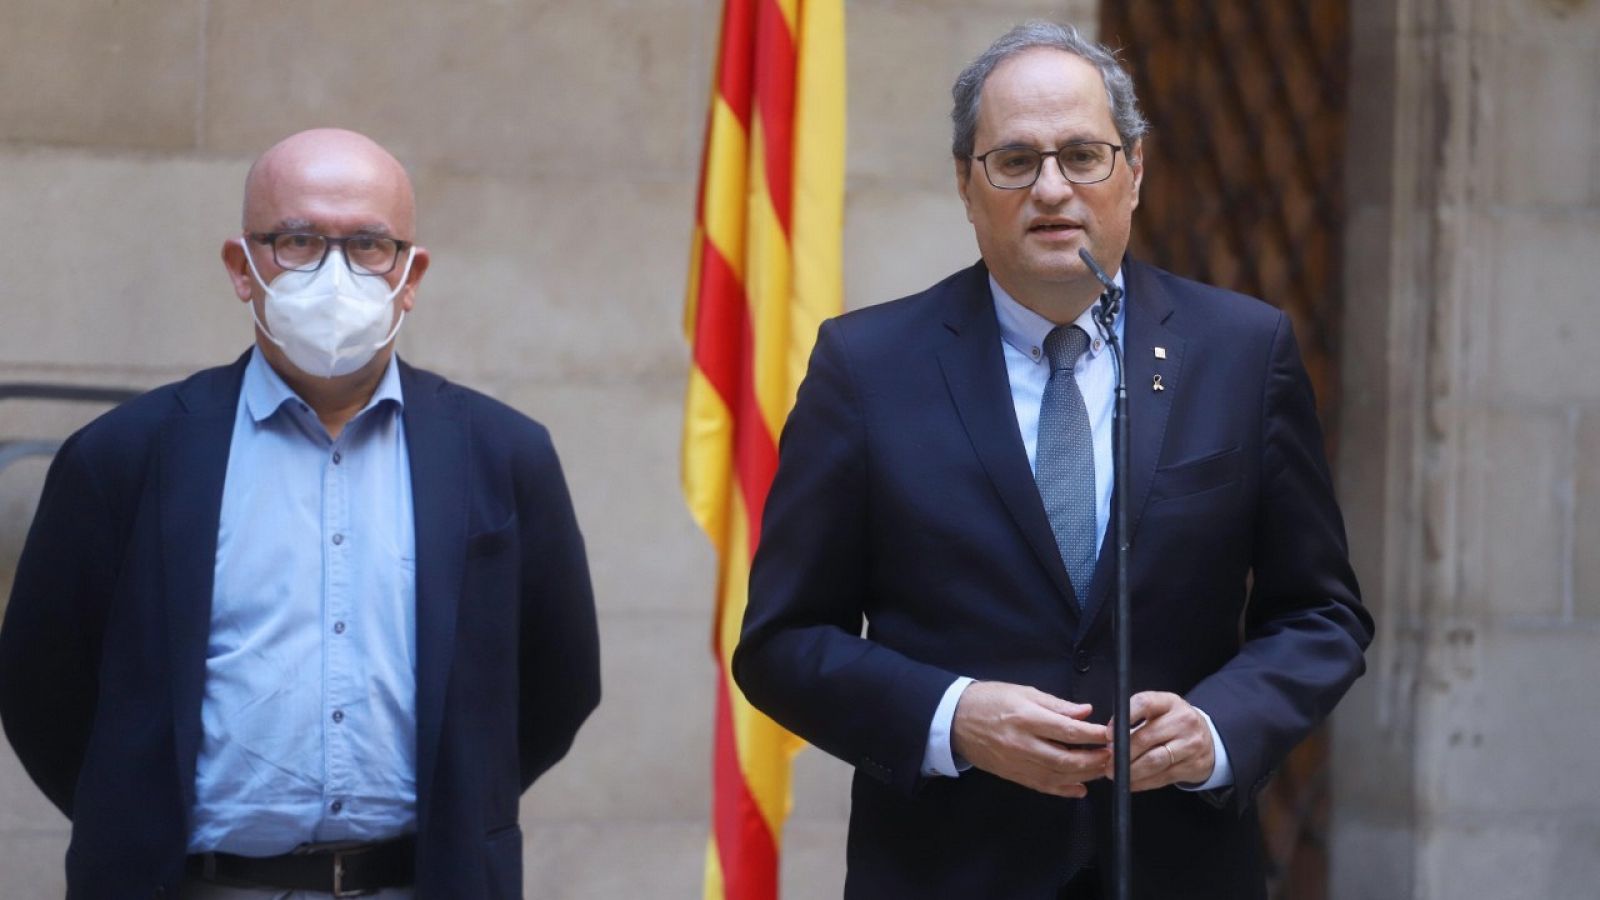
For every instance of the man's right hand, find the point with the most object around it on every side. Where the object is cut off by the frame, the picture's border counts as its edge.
(1029, 737)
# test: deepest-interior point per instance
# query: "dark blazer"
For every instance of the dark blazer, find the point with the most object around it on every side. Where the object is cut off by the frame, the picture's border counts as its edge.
(102, 655)
(903, 497)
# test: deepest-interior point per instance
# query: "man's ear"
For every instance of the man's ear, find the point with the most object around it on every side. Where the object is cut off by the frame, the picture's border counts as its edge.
(964, 183)
(233, 259)
(1136, 164)
(419, 266)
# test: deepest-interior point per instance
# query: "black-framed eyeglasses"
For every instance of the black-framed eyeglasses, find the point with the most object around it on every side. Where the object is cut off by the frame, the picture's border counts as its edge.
(304, 251)
(1081, 162)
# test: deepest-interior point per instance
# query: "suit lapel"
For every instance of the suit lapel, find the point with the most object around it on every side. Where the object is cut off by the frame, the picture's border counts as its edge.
(191, 468)
(975, 372)
(1149, 307)
(436, 440)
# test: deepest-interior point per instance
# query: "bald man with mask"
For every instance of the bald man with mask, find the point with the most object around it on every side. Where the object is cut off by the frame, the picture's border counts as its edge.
(308, 624)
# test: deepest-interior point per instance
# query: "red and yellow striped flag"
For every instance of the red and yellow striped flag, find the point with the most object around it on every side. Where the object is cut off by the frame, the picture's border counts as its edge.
(764, 273)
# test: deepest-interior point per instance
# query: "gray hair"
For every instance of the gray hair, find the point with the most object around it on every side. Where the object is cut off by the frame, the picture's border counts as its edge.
(1130, 122)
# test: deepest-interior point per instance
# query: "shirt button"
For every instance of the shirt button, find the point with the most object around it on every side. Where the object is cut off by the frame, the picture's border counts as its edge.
(338, 539)
(1096, 349)
(338, 628)
(336, 806)
(338, 715)
(1035, 352)
(337, 456)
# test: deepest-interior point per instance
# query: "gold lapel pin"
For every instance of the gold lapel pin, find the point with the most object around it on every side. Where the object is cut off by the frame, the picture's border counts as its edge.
(1161, 353)
(1156, 384)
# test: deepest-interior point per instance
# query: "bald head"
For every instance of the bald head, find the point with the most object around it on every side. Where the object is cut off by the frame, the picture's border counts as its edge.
(329, 171)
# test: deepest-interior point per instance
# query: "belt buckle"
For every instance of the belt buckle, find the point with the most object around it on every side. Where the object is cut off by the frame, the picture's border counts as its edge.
(338, 877)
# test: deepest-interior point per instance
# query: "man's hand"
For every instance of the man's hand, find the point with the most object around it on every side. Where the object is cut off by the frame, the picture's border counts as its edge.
(1029, 737)
(1173, 746)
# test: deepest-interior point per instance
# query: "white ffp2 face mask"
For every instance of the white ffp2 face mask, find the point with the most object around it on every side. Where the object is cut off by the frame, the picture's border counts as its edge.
(330, 322)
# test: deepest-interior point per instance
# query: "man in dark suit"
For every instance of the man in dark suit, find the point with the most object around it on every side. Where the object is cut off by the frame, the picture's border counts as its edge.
(945, 477)
(312, 622)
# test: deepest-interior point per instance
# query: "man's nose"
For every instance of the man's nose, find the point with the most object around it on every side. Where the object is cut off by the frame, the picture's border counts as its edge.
(1052, 187)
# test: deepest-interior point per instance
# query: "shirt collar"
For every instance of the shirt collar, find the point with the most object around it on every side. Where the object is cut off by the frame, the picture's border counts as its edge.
(1025, 329)
(265, 391)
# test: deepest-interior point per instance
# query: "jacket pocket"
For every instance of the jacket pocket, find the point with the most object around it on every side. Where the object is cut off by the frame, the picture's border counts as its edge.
(489, 543)
(1196, 476)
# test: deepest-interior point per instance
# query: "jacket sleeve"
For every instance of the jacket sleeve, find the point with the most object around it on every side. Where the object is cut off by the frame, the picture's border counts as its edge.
(802, 658)
(1305, 629)
(50, 642)
(560, 645)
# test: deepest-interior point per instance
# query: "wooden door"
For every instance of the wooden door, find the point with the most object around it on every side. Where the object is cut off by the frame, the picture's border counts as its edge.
(1243, 188)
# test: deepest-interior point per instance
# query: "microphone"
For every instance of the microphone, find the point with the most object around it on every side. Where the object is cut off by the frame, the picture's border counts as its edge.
(1111, 299)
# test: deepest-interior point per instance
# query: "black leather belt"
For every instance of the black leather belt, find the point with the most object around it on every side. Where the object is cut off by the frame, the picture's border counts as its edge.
(343, 871)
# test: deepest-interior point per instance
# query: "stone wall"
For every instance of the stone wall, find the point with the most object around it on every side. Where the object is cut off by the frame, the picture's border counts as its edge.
(125, 132)
(1470, 469)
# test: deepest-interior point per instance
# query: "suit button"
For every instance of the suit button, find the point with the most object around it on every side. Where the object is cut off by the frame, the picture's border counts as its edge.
(1081, 661)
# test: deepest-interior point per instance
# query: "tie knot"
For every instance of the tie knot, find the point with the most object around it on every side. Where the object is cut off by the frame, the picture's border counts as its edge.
(1064, 344)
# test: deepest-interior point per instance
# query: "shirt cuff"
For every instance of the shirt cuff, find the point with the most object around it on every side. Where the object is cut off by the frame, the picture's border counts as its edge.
(938, 758)
(1221, 770)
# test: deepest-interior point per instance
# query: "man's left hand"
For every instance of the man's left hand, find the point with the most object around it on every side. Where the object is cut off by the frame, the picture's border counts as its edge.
(1173, 746)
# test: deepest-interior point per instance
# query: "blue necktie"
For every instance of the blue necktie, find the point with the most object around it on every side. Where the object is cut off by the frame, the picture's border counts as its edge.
(1064, 461)
(1064, 469)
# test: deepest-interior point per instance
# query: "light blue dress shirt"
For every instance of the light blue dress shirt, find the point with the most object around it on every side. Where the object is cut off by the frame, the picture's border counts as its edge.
(1022, 334)
(309, 710)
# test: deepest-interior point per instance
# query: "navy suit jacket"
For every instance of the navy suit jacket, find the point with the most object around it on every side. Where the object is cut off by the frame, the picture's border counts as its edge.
(102, 655)
(904, 498)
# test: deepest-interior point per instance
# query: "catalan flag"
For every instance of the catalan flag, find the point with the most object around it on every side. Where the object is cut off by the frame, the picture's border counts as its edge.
(764, 273)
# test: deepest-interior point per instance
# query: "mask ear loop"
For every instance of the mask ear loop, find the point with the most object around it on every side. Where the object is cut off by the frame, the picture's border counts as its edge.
(404, 274)
(245, 246)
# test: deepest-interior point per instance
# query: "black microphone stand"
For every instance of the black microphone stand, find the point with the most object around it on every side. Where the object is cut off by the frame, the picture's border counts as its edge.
(1105, 318)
